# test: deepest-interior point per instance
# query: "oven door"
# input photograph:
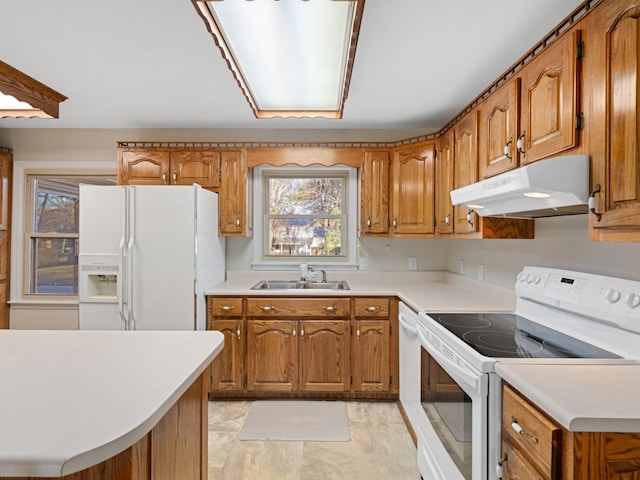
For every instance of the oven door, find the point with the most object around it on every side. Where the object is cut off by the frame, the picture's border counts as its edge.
(452, 440)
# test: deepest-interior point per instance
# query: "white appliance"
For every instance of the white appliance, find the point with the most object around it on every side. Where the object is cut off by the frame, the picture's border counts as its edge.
(409, 362)
(560, 316)
(551, 187)
(146, 256)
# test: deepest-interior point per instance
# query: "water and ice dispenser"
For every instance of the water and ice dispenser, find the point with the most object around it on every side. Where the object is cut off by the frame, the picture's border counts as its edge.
(99, 278)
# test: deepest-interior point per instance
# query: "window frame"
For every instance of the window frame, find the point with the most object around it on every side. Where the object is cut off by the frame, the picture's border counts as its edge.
(23, 197)
(261, 174)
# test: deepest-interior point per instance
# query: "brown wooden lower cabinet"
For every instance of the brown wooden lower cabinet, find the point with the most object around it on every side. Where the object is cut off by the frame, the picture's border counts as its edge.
(547, 451)
(333, 347)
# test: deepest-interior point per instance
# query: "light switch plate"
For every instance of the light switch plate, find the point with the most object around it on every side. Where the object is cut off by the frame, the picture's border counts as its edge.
(413, 263)
(364, 263)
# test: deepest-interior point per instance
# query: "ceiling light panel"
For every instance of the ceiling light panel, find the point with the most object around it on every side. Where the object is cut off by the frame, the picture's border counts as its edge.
(291, 57)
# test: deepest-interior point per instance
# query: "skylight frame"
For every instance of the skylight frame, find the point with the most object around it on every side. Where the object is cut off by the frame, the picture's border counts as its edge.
(206, 9)
(28, 92)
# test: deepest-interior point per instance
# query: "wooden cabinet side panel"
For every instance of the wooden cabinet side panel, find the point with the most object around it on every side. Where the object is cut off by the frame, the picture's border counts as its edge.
(6, 177)
(324, 355)
(603, 455)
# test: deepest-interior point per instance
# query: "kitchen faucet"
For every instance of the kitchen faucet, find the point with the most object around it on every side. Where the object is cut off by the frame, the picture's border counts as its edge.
(308, 273)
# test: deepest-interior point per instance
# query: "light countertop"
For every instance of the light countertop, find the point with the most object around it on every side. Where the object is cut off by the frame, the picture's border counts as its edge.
(581, 396)
(72, 399)
(428, 291)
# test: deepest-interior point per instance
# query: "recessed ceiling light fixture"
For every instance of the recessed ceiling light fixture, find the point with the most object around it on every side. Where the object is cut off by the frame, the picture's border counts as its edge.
(23, 96)
(291, 58)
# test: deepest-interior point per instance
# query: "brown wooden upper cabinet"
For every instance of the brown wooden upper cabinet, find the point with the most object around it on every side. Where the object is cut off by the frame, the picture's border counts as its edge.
(374, 198)
(612, 40)
(535, 114)
(445, 160)
(465, 169)
(412, 174)
(169, 166)
(234, 208)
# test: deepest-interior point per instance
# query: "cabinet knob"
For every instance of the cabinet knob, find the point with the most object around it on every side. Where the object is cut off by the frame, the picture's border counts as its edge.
(227, 308)
(238, 331)
(267, 308)
(237, 221)
(330, 308)
(369, 222)
(164, 177)
(294, 331)
(175, 176)
(372, 308)
(302, 331)
(358, 332)
(446, 219)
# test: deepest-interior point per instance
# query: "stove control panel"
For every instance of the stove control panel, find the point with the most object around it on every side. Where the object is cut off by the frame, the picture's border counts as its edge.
(606, 299)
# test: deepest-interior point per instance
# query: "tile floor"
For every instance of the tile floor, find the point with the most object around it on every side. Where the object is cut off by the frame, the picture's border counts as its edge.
(380, 448)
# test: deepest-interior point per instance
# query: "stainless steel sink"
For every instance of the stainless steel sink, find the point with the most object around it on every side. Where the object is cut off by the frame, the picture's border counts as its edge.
(298, 285)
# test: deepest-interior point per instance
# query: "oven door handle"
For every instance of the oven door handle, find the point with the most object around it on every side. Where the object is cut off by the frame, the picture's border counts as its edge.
(407, 326)
(471, 379)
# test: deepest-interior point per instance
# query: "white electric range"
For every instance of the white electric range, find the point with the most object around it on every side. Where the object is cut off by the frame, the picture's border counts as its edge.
(560, 315)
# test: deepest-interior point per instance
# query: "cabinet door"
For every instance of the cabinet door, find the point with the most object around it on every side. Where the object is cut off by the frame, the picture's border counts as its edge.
(324, 355)
(515, 467)
(499, 126)
(370, 344)
(196, 165)
(413, 194)
(232, 206)
(227, 369)
(374, 185)
(444, 182)
(272, 354)
(613, 66)
(549, 101)
(465, 169)
(143, 167)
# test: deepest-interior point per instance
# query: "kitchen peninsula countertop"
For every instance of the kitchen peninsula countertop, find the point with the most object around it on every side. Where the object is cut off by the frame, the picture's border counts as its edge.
(581, 396)
(423, 291)
(72, 399)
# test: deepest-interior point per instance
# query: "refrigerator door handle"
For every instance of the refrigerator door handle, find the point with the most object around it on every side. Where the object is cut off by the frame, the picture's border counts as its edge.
(122, 272)
(131, 320)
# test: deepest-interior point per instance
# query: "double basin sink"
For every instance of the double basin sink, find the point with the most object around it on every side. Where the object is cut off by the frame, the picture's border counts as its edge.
(299, 285)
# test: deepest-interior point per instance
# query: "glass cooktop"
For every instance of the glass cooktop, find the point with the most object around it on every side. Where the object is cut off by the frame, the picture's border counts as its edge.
(506, 335)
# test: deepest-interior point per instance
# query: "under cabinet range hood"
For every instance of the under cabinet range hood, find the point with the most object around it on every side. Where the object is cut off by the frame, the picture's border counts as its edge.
(547, 188)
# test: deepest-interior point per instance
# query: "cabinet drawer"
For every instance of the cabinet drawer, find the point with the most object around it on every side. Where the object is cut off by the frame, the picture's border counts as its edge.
(539, 438)
(225, 307)
(515, 467)
(269, 307)
(371, 308)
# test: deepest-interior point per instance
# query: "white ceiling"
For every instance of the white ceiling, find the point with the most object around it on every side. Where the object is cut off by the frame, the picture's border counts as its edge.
(152, 64)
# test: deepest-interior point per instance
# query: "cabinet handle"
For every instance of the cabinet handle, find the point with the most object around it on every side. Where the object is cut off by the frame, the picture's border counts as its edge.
(520, 431)
(267, 308)
(507, 149)
(227, 308)
(358, 332)
(175, 176)
(164, 177)
(446, 219)
(302, 330)
(395, 223)
(294, 331)
(238, 332)
(592, 203)
(470, 217)
(369, 222)
(520, 143)
(237, 221)
(372, 308)
(499, 473)
(330, 308)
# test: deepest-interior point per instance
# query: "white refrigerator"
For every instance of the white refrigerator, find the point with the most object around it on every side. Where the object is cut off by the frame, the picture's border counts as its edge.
(146, 256)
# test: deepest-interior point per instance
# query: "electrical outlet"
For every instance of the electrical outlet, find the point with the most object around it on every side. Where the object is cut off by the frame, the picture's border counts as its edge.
(461, 266)
(480, 272)
(413, 263)
(364, 263)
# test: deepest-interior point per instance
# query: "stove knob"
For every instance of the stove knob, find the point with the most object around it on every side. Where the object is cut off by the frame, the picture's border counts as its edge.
(613, 295)
(536, 280)
(529, 278)
(633, 300)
